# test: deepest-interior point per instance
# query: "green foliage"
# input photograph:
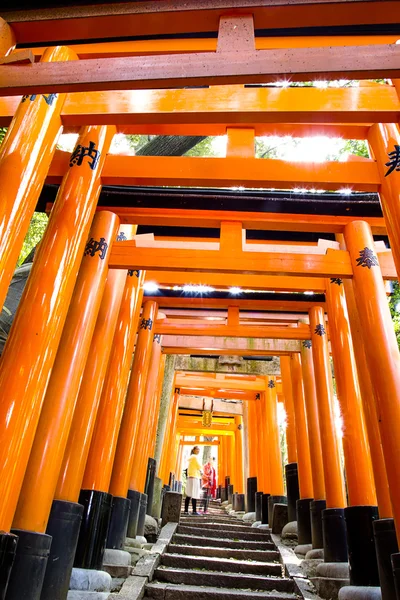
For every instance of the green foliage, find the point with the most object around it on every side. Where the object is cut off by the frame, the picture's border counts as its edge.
(358, 147)
(203, 148)
(3, 131)
(394, 305)
(35, 233)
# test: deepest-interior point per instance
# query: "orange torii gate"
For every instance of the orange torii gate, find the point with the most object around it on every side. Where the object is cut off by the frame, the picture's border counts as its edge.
(75, 94)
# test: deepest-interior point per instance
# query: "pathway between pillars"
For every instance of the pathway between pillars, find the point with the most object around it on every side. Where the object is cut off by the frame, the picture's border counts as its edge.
(218, 557)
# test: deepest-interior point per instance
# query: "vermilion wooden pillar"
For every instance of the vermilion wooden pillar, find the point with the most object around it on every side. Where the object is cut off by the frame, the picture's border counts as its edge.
(128, 435)
(25, 157)
(33, 341)
(303, 445)
(289, 408)
(359, 477)
(105, 435)
(272, 427)
(380, 346)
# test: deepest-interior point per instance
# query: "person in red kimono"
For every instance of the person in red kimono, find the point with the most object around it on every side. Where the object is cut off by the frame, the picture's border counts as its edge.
(208, 483)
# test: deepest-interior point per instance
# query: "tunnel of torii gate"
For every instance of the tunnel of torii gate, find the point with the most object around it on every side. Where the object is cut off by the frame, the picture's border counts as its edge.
(239, 303)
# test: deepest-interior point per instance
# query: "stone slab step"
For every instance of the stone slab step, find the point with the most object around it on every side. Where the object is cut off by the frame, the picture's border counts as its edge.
(166, 591)
(225, 565)
(255, 535)
(227, 580)
(210, 524)
(237, 553)
(210, 519)
(181, 538)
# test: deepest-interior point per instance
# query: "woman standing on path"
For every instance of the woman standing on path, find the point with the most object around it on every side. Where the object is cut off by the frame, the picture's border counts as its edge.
(208, 483)
(193, 481)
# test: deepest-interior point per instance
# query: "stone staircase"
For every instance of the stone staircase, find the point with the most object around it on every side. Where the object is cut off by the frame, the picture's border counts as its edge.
(215, 557)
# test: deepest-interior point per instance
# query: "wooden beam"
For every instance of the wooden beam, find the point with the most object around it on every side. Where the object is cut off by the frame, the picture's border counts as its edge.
(360, 175)
(170, 217)
(226, 346)
(200, 382)
(242, 331)
(219, 406)
(183, 45)
(278, 305)
(251, 282)
(187, 396)
(167, 71)
(122, 19)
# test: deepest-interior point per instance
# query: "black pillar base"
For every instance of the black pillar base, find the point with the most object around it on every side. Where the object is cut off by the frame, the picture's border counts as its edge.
(385, 546)
(29, 567)
(94, 529)
(258, 502)
(292, 490)
(227, 483)
(63, 526)
(149, 485)
(361, 545)
(251, 490)
(218, 494)
(316, 509)
(134, 498)
(234, 501)
(264, 509)
(224, 496)
(230, 493)
(118, 523)
(240, 503)
(142, 514)
(8, 548)
(396, 573)
(303, 520)
(334, 535)
(271, 501)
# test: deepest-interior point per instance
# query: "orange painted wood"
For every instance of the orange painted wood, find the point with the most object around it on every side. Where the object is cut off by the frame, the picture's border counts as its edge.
(382, 353)
(359, 478)
(289, 409)
(334, 484)
(105, 435)
(302, 439)
(314, 437)
(33, 341)
(360, 175)
(56, 416)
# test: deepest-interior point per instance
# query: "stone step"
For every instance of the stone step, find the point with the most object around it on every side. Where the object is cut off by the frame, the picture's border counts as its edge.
(245, 567)
(167, 591)
(210, 524)
(255, 535)
(227, 580)
(260, 555)
(210, 519)
(183, 538)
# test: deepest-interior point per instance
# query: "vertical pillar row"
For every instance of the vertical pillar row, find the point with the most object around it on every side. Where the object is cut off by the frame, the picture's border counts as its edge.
(335, 545)
(35, 503)
(310, 397)
(380, 346)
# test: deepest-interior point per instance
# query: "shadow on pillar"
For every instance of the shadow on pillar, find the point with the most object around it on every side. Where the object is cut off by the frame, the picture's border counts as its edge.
(149, 485)
(94, 529)
(27, 573)
(251, 494)
(119, 520)
(361, 545)
(316, 509)
(63, 526)
(334, 535)
(258, 505)
(8, 548)
(292, 490)
(142, 514)
(264, 509)
(385, 546)
(303, 517)
(134, 498)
